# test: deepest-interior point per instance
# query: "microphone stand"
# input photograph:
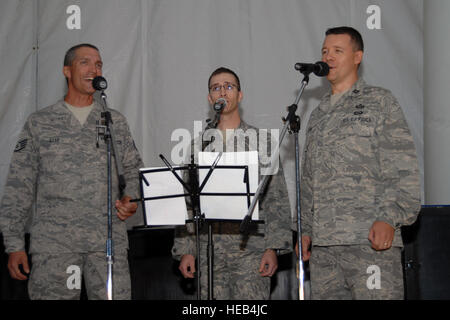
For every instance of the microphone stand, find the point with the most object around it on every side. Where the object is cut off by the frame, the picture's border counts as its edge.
(210, 247)
(111, 146)
(197, 216)
(212, 124)
(194, 194)
(292, 123)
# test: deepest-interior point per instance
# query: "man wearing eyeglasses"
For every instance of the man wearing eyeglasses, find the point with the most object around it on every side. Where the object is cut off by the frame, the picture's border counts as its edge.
(242, 265)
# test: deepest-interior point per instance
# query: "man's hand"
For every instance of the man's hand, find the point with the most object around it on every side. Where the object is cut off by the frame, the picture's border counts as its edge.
(15, 260)
(306, 252)
(269, 263)
(381, 235)
(187, 266)
(125, 208)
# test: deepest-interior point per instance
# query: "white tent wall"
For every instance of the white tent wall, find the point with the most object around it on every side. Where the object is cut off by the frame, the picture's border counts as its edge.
(17, 75)
(158, 56)
(437, 97)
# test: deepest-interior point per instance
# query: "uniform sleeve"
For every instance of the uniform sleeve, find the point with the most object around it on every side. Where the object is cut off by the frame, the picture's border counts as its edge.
(184, 240)
(132, 162)
(306, 190)
(277, 214)
(185, 237)
(399, 202)
(19, 192)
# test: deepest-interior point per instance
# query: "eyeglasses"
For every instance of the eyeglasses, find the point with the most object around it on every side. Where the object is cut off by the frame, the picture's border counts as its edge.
(226, 86)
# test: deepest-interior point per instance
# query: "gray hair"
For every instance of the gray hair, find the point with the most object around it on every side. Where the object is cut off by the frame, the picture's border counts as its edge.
(70, 54)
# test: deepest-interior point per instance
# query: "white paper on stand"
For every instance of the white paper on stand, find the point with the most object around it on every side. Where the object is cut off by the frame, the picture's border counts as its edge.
(228, 181)
(161, 212)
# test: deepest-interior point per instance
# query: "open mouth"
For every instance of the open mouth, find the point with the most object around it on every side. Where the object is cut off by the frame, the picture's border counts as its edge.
(332, 69)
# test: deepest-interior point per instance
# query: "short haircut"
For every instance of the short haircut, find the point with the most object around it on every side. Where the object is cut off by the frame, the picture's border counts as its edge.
(354, 34)
(70, 54)
(224, 70)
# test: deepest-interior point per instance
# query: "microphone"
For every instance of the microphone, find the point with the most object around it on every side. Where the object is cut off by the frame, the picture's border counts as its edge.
(99, 83)
(220, 104)
(319, 68)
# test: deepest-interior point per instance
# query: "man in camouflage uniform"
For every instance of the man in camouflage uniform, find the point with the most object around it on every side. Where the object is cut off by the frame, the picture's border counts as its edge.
(58, 166)
(360, 182)
(242, 265)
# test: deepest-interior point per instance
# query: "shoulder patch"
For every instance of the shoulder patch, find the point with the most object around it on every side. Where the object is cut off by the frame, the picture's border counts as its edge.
(21, 145)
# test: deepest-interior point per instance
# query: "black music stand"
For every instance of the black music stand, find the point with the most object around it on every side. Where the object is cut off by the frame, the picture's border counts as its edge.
(194, 191)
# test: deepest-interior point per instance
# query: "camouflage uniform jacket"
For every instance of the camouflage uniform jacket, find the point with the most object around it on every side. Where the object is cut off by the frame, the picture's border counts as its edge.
(274, 210)
(359, 166)
(57, 166)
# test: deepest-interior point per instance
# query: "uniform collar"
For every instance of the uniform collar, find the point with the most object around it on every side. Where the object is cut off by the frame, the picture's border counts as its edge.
(63, 112)
(357, 87)
(243, 125)
(356, 90)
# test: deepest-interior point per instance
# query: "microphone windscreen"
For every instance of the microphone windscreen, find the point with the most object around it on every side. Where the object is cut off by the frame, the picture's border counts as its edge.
(99, 83)
(220, 104)
(322, 69)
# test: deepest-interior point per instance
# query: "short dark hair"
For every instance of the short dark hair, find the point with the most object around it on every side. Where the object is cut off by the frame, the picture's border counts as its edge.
(70, 54)
(353, 33)
(224, 70)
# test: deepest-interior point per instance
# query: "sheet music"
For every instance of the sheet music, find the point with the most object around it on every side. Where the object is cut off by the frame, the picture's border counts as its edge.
(228, 181)
(170, 211)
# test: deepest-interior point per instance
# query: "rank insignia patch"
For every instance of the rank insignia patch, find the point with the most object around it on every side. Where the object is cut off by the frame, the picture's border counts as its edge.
(21, 145)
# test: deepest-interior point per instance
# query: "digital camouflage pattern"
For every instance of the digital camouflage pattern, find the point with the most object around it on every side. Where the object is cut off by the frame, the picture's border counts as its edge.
(356, 272)
(359, 165)
(57, 163)
(53, 277)
(236, 256)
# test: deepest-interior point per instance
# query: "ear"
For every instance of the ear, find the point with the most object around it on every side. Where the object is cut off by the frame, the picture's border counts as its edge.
(210, 100)
(358, 57)
(67, 72)
(240, 96)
